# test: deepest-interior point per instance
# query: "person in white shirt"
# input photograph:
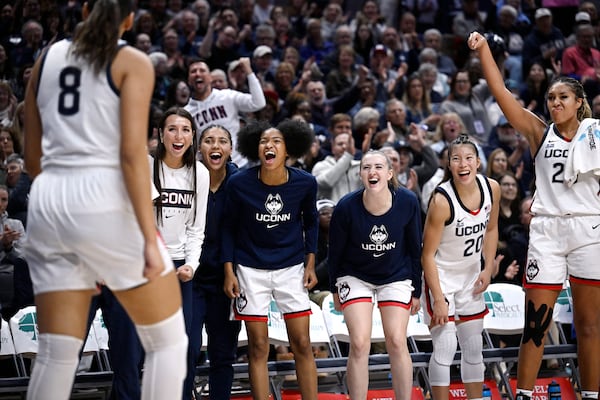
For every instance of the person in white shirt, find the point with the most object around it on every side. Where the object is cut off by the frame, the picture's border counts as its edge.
(210, 106)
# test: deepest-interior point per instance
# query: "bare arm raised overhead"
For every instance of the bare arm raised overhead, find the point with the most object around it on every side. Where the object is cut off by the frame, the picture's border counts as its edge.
(523, 120)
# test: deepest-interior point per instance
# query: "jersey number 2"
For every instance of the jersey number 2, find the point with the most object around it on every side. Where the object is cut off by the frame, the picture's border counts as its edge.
(68, 99)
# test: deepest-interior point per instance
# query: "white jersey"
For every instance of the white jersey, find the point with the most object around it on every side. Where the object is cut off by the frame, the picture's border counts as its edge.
(459, 254)
(222, 107)
(80, 112)
(552, 195)
(182, 225)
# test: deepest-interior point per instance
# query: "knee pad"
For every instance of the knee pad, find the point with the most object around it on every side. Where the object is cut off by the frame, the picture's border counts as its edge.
(444, 348)
(166, 346)
(471, 345)
(536, 323)
(55, 364)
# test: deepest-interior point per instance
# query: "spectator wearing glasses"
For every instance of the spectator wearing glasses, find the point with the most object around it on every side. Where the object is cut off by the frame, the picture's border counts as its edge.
(463, 101)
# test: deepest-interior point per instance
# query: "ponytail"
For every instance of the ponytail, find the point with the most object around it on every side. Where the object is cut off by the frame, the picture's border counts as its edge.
(96, 39)
(585, 111)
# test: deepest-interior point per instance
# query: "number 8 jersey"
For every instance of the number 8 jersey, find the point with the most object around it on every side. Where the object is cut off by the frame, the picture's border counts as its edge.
(80, 109)
(459, 255)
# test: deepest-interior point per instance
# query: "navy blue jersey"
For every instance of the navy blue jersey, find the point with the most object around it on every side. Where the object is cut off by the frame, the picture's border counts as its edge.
(270, 227)
(210, 270)
(376, 249)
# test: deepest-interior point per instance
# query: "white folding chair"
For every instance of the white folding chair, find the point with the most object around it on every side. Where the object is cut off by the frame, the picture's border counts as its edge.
(563, 315)
(7, 346)
(90, 351)
(24, 330)
(418, 331)
(318, 330)
(243, 336)
(563, 310)
(277, 331)
(102, 339)
(506, 316)
(336, 326)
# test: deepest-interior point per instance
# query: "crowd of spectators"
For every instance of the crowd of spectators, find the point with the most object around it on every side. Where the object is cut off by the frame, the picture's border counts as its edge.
(364, 74)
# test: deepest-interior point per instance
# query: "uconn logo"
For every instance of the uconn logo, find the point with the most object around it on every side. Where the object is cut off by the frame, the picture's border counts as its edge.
(551, 152)
(177, 198)
(273, 205)
(464, 230)
(378, 237)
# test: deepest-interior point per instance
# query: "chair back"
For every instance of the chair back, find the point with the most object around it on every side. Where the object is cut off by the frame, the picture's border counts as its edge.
(563, 308)
(506, 306)
(318, 329)
(334, 320)
(100, 330)
(277, 331)
(7, 346)
(24, 329)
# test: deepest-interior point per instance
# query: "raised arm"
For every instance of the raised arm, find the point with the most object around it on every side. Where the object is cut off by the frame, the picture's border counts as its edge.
(524, 121)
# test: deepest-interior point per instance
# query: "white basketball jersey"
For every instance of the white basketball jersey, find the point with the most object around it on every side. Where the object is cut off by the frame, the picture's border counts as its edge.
(552, 195)
(459, 254)
(80, 109)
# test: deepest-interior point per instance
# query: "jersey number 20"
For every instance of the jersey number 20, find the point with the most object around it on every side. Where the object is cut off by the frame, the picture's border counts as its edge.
(68, 99)
(473, 246)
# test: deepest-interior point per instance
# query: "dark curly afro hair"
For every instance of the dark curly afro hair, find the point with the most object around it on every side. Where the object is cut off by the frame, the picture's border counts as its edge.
(298, 137)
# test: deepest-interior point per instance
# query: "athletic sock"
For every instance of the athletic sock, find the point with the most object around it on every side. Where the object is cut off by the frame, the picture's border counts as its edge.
(589, 395)
(54, 369)
(523, 394)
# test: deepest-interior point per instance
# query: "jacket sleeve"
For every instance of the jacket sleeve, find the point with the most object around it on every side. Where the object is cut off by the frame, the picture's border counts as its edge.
(414, 239)
(255, 100)
(310, 219)
(328, 174)
(338, 230)
(427, 168)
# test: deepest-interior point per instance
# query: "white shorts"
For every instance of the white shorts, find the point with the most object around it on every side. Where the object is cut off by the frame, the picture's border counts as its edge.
(561, 247)
(81, 229)
(463, 305)
(257, 286)
(353, 290)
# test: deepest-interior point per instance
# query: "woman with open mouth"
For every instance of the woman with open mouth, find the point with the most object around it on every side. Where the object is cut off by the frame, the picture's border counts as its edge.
(461, 230)
(269, 245)
(374, 255)
(210, 304)
(180, 209)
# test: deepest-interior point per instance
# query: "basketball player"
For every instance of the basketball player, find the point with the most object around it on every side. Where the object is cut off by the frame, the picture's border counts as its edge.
(90, 210)
(375, 253)
(270, 233)
(461, 229)
(563, 239)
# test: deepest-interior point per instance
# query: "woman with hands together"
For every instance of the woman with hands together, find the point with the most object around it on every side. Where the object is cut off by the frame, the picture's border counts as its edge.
(461, 229)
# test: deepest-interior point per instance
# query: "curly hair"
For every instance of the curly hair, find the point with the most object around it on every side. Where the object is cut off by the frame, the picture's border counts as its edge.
(298, 137)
